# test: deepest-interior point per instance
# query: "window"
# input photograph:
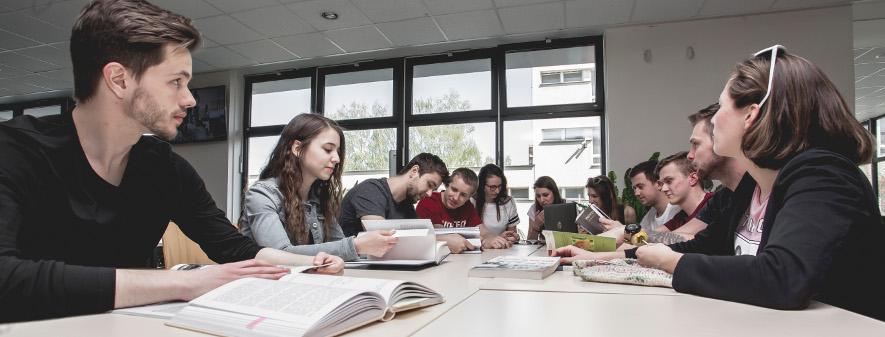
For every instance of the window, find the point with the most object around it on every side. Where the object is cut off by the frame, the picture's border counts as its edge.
(452, 86)
(370, 154)
(567, 134)
(573, 193)
(277, 102)
(5, 115)
(535, 78)
(521, 194)
(259, 152)
(470, 145)
(359, 94)
(43, 111)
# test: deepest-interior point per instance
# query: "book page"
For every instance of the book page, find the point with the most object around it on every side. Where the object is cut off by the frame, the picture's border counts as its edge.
(299, 303)
(383, 287)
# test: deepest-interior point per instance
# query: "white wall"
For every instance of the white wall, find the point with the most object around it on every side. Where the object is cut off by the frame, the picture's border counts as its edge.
(647, 103)
(218, 162)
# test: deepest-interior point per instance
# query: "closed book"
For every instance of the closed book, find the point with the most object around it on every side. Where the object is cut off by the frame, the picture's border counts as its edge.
(527, 267)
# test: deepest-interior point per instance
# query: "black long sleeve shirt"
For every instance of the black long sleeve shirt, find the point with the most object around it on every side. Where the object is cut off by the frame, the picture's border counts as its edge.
(64, 230)
(820, 240)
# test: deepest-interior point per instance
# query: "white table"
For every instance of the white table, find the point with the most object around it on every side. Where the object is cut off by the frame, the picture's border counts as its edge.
(560, 305)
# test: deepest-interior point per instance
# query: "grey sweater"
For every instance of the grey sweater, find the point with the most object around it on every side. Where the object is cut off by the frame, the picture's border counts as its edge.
(264, 216)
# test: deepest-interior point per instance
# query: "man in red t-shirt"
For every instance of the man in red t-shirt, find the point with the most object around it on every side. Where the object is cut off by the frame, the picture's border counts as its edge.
(451, 208)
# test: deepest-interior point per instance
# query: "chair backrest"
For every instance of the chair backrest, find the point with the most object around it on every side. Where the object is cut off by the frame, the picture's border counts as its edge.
(178, 248)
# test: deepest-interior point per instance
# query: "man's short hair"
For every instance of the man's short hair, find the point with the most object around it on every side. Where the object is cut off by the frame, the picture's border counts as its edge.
(130, 32)
(705, 115)
(428, 163)
(467, 175)
(648, 168)
(680, 159)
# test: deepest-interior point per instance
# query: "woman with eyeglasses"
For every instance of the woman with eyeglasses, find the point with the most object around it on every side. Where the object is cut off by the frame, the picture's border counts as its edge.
(546, 193)
(601, 192)
(497, 209)
(809, 227)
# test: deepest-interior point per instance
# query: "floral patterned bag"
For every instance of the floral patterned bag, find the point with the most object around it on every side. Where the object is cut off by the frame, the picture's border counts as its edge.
(624, 271)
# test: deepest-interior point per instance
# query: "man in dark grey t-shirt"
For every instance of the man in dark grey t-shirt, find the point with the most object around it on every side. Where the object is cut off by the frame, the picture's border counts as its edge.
(394, 197)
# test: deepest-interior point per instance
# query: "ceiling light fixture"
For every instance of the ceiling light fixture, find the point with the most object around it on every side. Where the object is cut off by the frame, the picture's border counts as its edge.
(329, 15)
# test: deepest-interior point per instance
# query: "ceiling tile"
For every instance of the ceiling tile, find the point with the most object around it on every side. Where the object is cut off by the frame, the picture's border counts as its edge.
(66, 74)
(731, 7)
(358, 39)
(470, 25)
(391, 10)
(45, 82)
(871, 81)
(438, 7)
(412, 32)
(781, 4)
(60, 14)
(274, 21)
(263, 51)
(50, 54)
(222, 57)
(860, 52)
(586, 13)
(202, 67)
(14, 59)
(875, 55)
(32, 28)
(864, 69)
(308, 45)
(659, 11)
(861, 92)
(511, 3)
(22, 4)
(532, 18)
(225, 30)
(193, 9)
(9, 72)
(12, 41)
(348, 15)
(868, 10)
(230, 6)
(16, 87)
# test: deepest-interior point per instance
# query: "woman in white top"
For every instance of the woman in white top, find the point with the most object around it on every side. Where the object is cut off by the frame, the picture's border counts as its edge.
(497, 209)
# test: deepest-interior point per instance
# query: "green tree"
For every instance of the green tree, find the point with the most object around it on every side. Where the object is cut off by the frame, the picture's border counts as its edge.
(368, 149)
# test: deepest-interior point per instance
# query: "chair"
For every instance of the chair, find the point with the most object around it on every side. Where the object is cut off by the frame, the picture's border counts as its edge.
(178, 248)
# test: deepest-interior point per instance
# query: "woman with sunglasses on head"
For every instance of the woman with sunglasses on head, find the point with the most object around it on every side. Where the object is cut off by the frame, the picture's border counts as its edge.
(546, 193)
(601, 192)
(497, 209)
(295, 204)
(808, 227)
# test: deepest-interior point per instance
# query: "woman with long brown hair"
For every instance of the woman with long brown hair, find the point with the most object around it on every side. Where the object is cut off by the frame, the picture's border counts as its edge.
(806, 226)
(601, 192)
(295, 204)
(546, 193)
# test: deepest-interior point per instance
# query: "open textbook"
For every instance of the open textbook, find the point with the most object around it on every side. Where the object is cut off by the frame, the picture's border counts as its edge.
(416, 243)
(300, 305)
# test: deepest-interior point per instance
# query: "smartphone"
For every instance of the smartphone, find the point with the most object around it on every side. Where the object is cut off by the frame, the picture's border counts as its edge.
(599, 211)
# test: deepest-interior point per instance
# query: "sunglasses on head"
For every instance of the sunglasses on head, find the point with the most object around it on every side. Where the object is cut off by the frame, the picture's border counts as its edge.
(773, 50)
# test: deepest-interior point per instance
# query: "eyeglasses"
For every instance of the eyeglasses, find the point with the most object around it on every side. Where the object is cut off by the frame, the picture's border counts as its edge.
(773, 49)
(493, 187)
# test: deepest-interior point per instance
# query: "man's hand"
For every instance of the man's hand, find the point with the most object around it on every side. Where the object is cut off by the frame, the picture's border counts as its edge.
(497, 242)
(571, 253)
(335, 267)
(609, 224)
(456, 243)
(660, 256)
(375, 243)
(201, 281)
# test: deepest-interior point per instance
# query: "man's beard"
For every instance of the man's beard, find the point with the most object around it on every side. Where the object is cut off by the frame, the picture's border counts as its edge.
(412, 194)
(144, 109)
(714, 168)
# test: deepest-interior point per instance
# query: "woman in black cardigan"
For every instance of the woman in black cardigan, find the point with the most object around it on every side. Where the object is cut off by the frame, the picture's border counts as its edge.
(809, 227)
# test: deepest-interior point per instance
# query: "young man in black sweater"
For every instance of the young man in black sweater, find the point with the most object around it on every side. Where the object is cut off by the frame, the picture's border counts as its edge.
(85, 196)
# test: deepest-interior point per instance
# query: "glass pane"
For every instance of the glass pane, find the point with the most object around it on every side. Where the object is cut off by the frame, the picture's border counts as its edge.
(5, 115)
(881, 177)
(259, 152)
(452, 86)
(360, 94)
(368, 155)
(524, 76)
(459, 145)
(527, 158)
(277, 102)
(576, 133)
(867, 170)
(552, 134)
(44, 111)
(574, 193)
(880, 138)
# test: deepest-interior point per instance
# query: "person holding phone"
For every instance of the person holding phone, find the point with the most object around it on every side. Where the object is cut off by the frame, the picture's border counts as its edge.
(601, 192)
(546, 193)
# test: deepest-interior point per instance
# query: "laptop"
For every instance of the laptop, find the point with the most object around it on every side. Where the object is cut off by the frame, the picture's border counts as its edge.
(561, 217)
